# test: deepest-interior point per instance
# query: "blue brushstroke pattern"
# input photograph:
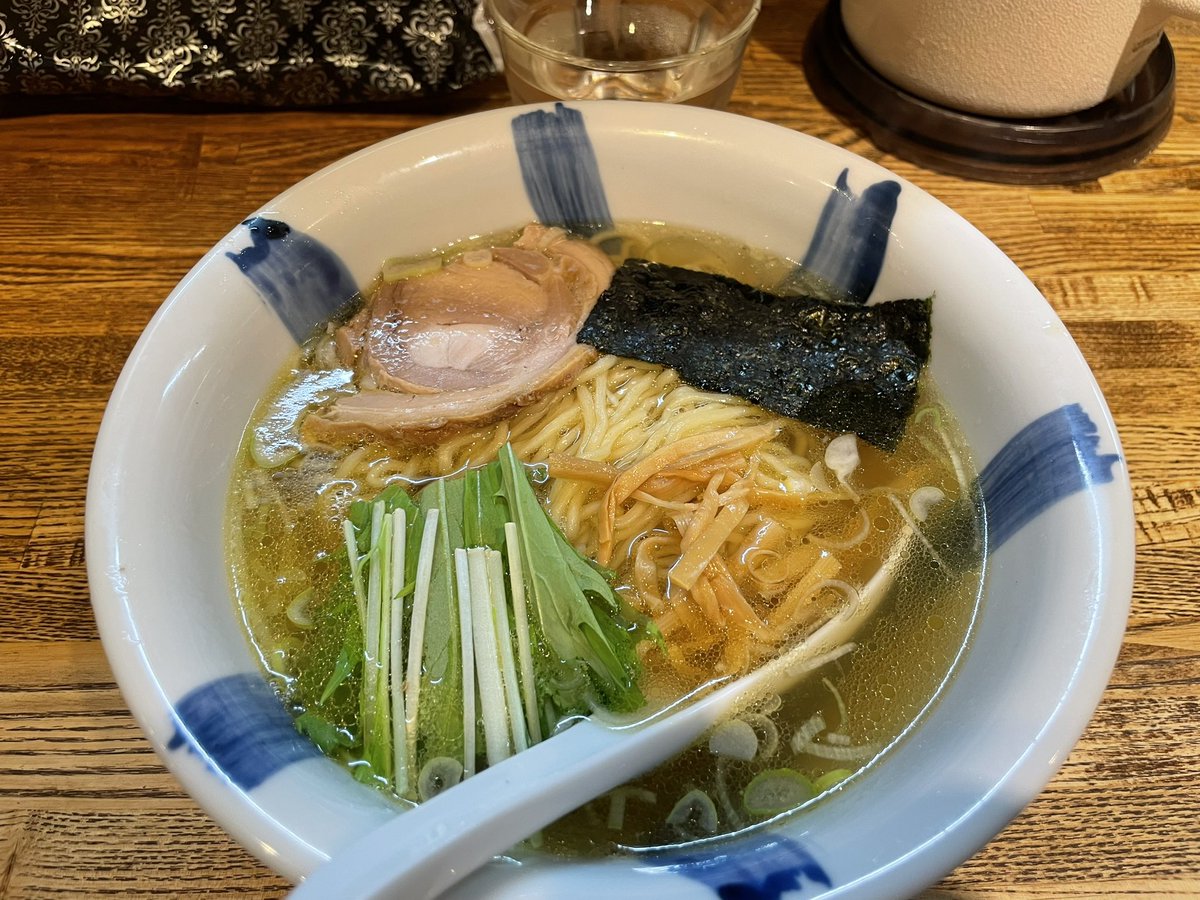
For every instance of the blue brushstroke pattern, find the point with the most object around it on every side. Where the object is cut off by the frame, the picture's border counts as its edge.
(559, 169)
(851, 238)
(1049, 459)
(754, 867)
(240, 727)
(301, 279)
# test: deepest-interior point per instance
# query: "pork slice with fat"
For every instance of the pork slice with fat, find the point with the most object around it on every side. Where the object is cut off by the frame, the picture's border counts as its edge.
(468, 344)
(394, 417)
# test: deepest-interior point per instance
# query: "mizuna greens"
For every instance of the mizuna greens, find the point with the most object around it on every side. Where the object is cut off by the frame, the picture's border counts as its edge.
(471, 629)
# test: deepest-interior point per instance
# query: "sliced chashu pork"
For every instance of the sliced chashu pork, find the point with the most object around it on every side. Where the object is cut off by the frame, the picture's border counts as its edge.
(468, 344)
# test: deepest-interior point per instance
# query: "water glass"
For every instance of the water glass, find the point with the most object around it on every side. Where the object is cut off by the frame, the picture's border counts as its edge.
(677, 51)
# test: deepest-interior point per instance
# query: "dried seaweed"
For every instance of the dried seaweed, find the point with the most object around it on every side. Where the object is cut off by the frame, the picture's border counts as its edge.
(839, 366)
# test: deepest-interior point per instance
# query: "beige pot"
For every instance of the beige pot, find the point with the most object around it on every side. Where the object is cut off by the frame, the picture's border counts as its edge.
(1015, 58)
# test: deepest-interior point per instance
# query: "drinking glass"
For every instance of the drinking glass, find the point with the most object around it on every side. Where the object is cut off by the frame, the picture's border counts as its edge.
(677, 51)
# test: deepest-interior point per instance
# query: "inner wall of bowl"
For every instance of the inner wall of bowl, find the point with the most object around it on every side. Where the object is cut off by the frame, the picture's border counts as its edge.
(158, 493)
(752, 181)
(171, 482)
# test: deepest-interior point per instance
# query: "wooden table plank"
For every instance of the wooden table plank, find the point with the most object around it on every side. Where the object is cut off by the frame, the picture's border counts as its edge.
(102, 214)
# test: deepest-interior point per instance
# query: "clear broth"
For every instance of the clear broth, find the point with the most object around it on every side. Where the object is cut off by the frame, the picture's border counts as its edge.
(283, 530)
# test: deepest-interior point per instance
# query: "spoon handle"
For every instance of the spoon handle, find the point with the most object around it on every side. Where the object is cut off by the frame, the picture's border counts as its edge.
(427, 849)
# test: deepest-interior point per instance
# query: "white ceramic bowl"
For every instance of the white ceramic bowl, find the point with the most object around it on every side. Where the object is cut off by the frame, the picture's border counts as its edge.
(1060, 517)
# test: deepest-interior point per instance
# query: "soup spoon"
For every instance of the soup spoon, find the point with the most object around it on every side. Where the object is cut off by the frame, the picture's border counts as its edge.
(427, 849)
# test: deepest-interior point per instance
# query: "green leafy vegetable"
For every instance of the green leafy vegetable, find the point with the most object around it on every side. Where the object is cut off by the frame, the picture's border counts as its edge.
(485, 510)
(565, 590)
(376, 715)
(439, 729)
(695, 814)
(325, 734)
(468, 624)
(347, 662)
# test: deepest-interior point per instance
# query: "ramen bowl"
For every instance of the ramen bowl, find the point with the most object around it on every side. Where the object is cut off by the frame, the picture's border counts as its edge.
(1052, 475)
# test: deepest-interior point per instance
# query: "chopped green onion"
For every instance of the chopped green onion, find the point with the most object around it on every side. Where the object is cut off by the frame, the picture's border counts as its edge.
(516, 576)
(504, 640)
(400, 752)
(735, 739)
(356, 584)
(733, 818)
(777, 790)
(400, 269)
(437, 775)
(375, 702)
(841, 457)
(695, 813)
(767, 731)
(923, 499)
(487, 661)
(416, 628)
(617, 801)
(831, 779)
(467, 636)
(297, 611)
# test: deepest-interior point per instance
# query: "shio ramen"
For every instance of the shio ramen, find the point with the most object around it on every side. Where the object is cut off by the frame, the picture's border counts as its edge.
(457, 524)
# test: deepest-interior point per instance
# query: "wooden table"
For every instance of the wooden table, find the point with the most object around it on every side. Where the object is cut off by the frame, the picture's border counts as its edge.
(101, 213)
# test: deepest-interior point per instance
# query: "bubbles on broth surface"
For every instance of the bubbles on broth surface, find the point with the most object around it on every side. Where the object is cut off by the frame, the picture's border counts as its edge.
(284, 528)
(868, 699)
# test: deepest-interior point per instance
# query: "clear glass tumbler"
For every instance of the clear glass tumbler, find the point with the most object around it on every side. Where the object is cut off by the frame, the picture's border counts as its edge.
(675, 51)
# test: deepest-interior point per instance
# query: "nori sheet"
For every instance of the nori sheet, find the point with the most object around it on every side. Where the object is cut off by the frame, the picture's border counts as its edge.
(839, 366)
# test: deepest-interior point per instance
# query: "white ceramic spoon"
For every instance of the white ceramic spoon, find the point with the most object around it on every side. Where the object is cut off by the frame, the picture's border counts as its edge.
(425, 850)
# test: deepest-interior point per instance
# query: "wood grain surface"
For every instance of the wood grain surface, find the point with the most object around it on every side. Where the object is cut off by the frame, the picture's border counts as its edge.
(103, 211)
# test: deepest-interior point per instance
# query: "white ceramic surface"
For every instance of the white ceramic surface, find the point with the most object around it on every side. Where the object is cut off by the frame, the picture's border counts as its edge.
(1058, 588)
(1012, 58)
